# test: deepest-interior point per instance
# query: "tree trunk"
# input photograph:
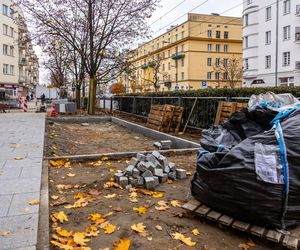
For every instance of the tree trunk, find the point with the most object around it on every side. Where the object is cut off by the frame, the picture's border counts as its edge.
(78, 96)
(92, 96)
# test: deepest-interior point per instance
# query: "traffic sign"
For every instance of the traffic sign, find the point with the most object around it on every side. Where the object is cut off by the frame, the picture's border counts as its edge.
(204, 84)
(73, 87)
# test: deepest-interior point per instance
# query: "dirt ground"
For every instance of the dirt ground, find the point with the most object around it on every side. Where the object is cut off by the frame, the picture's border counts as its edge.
(85, 179)
(75, 139)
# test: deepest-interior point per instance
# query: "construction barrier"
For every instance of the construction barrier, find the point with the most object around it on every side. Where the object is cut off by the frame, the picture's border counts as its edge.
(25, 106)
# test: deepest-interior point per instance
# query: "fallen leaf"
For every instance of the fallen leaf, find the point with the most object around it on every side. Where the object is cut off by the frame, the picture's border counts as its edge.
(78, 204)
(94, 217)
(18, 158)
(71, 175)
(163, 206)
(133, 196)
(60, 201)
(104, 158)
(57, 164)
(59, 216)
(67, 165)
(149, 238)
(79, 238)
(111, 184)
(140, 210)
(111, 170)
(108, 164)
(151, 193)
(110, 196)
(117, 209)
(97, 164)
(159, 228)
(140, 229)
(108, 227)
(169, 181)
(5, 233)
(189, 173)
(79, 195)
(63, 232)
(64, 187)
(195, 232)
(54, 148)
(60, 245)
(92, 231)
(34, 202)
(122, 244)
(54, 197)
(186, 240)
(247, 246)
(176, 203)
(108, 214)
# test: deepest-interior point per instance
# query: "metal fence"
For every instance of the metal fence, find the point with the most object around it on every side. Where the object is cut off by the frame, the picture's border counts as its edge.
(203, 116)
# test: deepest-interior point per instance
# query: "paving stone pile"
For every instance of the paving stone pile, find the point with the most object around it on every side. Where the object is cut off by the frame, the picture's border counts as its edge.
(149, 171)
(163, 145)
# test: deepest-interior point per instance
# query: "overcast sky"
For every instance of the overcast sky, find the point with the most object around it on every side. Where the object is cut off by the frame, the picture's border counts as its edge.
(161, 19)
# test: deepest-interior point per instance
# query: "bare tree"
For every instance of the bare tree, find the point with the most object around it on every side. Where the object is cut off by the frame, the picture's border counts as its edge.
(96, 29)
(230, 70)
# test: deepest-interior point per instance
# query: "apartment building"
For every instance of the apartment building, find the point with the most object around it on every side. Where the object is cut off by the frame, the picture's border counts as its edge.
(19, 63)
(271, 50)
(187, 55)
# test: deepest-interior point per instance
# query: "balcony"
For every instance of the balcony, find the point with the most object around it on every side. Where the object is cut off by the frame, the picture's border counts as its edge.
(297, 66)
(178, 56)
(22, 45)
(297, 35)
(23, 62)
(22, 79)
(298, 10)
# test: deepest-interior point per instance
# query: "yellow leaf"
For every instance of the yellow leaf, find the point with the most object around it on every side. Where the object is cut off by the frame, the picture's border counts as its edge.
(157, 195)
(34, 202)
(176, 203)
(169, 181)
(54, 197)
(104, 158)
(111, 184)
(111, 170)
(250, 243)
(122, 244)
(18, 158)
(186, 240)
(163, 206)
(109, 228)
(71, 175)
(79, 238)
(140, 210)
(94, 217)
(195, 232)
(60, 216)
(61, 246)
(67, 165)
(108, 164)
(91, 231)
(151, 193)
(133, 196)
(108, 214)
(140, 229)
(110, 196)
(159, 228)
(80, 203)
(79, 195)
(57, 164)
(5, 233)
(63, 232)
(54, 148)
(97, 164)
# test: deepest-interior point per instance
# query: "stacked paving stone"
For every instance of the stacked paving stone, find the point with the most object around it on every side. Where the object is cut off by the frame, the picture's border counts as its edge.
(163, 145)
(149, 171)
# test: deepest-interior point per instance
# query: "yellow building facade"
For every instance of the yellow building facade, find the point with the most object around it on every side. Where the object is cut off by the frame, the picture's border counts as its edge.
(185, 57)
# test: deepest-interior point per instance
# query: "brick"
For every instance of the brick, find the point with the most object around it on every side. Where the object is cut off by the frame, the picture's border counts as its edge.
(140, 157)
(181, 174)
(167, 169)
(166, 143)
(156, 181)
(149, 182)
(172, 166)
(118, 176)
(164, 178)
(163, 161)
(147, 173)
(172, 176)
(158, 172)
(142, 166)
(157, 164)
(134, 161)
(156, 154)
(129, 186)
(135, 173)
(150, 158)
(151, 167)
(129, 170)
(157, 145)
(123, 181)
(134, 182)
(140, 180)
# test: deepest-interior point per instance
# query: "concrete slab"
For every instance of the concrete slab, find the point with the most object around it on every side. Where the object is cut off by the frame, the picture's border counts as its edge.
(10, 173)
(20, 204)
(18, 186)
(5, 201)
(31, 172)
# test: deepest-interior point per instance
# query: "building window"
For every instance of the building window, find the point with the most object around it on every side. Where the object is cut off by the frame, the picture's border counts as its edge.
(218, 47)
(182, 62)
(209, 75)
(286, 7)
(182, 75)
(226, 34)
(209, 33)
(218, 34)
(287, 33)
(12, 50)
(225, 62)
(5, 69)
(176, 37)
(182, 34)
(169, 66)
(268, 37)
(11, 12)
(217, 62)
(163, 55)
(5, 29)
(246, 64)
(5, 49)
(218, 76)
(246, 20)
(286, 58)
(209, 47)
(225, 76)
(268, 62)
(169, 40)
(225, 48)
(209, 61)
(182, 48)
(11, 69)
(268, 13)
(5, 10)
(169, 53)
(246, 41)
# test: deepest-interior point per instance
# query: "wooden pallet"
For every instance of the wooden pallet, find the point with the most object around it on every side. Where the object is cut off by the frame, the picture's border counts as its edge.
(161, 117)
(176, 121)
(227, 109)
(289, 241)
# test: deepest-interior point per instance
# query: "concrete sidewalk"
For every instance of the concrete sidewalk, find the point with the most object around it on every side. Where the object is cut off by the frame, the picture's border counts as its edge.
(21, 135)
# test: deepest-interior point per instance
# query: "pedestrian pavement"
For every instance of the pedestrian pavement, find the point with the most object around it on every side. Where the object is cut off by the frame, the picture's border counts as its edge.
(21, 155)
